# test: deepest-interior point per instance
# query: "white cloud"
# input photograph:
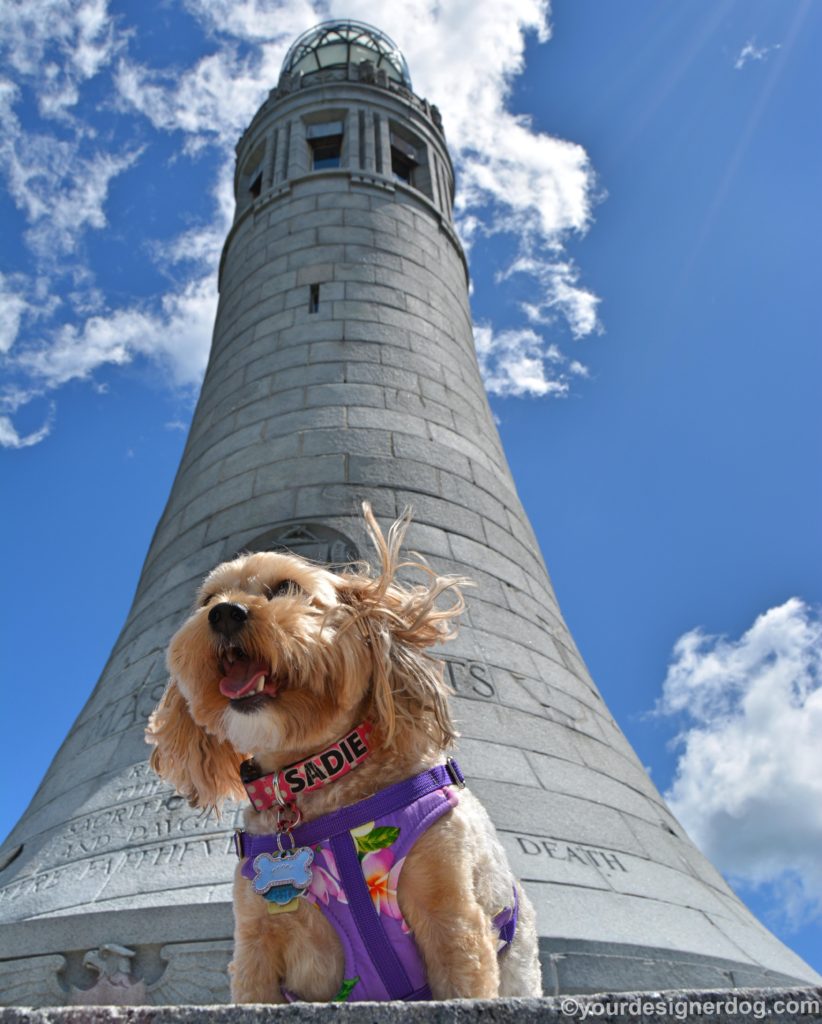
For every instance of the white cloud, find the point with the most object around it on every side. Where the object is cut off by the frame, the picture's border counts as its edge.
(9, 438)
(12, 307)
(750, 51)
(256, 20)
(517, 363)
(61, 191)
(70, 195)
(177, 335)
(57, 44)
(560, 294)
(748, 782)
(201, 247)
(80, 30)
(11, 400)
(211, 102)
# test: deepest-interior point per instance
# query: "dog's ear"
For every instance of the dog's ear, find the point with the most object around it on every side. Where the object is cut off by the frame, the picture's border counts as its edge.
(398, 621)
(202, 768)
(407, 689)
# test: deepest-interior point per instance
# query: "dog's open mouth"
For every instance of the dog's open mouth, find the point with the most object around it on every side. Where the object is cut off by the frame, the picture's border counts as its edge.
(247, 683)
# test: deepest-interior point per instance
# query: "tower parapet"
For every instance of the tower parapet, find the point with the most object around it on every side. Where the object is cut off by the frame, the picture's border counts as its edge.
(354, 116)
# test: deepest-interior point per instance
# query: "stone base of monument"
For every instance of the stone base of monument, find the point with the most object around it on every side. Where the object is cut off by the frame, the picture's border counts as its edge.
(728, 1006)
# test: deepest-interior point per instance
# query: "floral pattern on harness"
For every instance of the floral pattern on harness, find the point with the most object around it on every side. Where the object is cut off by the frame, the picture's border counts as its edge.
(381, 871)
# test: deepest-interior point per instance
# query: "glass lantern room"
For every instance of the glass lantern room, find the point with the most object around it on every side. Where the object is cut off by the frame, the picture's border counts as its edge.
(336, 43)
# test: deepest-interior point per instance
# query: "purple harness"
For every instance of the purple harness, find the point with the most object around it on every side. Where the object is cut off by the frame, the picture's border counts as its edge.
(359, 852)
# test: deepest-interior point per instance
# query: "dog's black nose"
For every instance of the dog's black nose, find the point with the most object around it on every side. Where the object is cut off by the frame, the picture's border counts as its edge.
(227, 618)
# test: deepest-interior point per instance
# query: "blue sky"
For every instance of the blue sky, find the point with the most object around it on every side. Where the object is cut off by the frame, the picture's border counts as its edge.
(639, 190)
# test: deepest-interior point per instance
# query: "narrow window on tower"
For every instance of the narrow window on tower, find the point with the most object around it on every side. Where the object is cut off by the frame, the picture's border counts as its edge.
(410, 160)
(325, 143)
(403, 159)
(314, 299)
(361, 125)
(251, 179)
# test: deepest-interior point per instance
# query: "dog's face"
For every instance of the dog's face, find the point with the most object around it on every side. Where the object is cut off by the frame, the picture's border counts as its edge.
(264, 661)
(282, 656)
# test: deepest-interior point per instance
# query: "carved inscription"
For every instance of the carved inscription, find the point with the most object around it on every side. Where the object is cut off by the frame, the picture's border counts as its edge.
(100, 868)
(140, 821)
(573, 853)
(141, 781)
(478, 681)
(470, 678)
(131, 710)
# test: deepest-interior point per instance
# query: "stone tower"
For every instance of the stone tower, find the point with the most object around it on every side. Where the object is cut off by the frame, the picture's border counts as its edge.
(343, 368)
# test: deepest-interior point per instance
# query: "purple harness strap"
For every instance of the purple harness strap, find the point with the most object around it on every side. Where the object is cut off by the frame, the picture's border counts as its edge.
(505, 923)
(382, 953)
(330, 825)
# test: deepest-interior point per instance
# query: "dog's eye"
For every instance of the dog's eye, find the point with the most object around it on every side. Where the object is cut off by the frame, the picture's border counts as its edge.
(283, 587)
(206, 599)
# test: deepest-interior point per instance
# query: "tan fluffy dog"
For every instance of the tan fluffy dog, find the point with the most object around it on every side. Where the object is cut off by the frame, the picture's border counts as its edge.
(331, 651)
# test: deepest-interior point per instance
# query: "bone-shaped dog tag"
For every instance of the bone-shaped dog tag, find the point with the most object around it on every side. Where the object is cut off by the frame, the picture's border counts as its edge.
(289, 870)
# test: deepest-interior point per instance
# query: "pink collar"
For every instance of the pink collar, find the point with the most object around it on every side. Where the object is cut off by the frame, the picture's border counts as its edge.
(282, 787)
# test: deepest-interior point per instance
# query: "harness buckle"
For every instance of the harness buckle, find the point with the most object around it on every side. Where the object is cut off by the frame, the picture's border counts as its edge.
(238, 843)
(454, 771)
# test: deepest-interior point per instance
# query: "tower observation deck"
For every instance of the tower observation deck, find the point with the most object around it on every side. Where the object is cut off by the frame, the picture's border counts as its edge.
(343, 369)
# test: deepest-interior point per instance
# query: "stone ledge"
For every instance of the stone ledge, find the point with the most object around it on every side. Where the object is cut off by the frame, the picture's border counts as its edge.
(734, 1006)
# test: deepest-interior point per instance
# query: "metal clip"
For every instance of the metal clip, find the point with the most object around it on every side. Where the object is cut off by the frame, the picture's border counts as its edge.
(278, 796)
(288, 817)
(453, 770)
(290, 835)
(238, 843)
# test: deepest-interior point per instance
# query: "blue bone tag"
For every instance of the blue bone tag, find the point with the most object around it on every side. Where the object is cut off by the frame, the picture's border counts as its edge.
(292, 868)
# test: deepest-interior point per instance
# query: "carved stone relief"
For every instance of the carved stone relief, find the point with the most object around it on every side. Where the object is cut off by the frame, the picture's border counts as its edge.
(190, 973)
(310, 540)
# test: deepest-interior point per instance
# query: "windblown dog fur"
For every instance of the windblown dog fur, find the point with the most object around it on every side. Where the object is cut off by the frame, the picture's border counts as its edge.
(340, 649)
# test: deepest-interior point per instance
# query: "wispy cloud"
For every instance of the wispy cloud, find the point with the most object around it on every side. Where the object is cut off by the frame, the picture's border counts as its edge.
(177, 335)
(58, 44)
(257, 20)
(199, 248)
(60, 188)
(11, 400)
(748, 783)
(211, 102)
(520, 363)
(559, 292)
(9, 437)
(751, 52)
(12, 307)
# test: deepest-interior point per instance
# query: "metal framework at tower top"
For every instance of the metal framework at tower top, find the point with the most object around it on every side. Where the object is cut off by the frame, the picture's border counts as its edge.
(339, 43)
(343, 369)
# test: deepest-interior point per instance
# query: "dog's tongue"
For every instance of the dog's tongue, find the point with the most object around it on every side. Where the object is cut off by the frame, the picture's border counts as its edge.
(242, 678)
